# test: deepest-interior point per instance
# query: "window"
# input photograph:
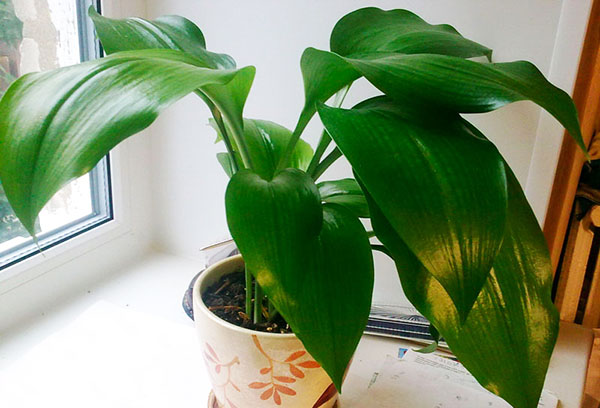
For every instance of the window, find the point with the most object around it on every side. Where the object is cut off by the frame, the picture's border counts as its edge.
(43, 35)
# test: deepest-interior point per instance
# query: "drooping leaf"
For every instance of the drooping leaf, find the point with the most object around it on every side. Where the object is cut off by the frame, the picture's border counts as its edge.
(56, 125)
(345, 192)
(178, 33)
(442, 188)
(324, 74)
(320, 256)
(167, 32)
(266, 143)
(507, 340)
(465, 86)
(371, 30)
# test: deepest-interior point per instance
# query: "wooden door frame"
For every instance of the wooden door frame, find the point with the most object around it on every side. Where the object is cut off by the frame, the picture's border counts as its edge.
(587, 99)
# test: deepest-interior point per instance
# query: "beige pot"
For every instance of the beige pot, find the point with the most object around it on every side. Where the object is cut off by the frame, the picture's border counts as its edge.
(250, 369)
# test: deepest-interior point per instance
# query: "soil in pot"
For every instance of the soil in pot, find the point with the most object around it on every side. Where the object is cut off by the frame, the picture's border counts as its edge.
(227, 299)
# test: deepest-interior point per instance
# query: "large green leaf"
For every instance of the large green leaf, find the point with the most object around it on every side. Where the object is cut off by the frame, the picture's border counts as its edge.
(313, 261)
(345, 192)
(56, 125)
(266, 143)
(178, 33)
(167, 32)
(507, 340)
(465, 86)
(370, 30)
(442, 188)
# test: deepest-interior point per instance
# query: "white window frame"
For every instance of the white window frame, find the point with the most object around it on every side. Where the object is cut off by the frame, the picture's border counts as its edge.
(117, 240)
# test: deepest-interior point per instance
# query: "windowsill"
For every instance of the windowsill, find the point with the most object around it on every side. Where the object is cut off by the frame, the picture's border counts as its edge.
(155, 286)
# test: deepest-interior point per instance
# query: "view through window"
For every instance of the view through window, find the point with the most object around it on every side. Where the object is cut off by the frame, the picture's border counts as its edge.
(38, 35)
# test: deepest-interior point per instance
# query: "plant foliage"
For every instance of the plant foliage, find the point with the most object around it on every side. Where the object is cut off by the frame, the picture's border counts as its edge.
(442, 200)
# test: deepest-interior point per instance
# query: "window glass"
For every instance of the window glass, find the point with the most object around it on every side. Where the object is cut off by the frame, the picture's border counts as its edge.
(38, 35)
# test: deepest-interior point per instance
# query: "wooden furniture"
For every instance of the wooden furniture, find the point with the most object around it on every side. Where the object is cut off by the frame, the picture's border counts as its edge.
(587, 99)
(592, 383)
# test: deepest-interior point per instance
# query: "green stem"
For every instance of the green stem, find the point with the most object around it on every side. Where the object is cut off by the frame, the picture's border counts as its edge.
(248, 277)
(305, 117)
(219, 121)
(238, 134)
(258, 298)
(327, 161)
(324, 142)
(325, 139)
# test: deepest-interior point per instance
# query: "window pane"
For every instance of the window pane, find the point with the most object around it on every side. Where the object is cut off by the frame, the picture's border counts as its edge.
(38, 35)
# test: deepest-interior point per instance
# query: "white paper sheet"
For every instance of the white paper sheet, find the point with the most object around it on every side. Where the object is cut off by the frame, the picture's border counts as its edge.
(430, 381)
(110, 357)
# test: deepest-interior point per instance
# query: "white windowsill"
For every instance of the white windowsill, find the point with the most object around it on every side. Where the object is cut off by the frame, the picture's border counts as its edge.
(155, 285)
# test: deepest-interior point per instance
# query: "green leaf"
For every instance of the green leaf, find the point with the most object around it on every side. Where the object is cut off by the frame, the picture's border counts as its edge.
(317, 271)
(507, 340)
(56, 125)
(266, 143)
(442, 189)
(227, 164)
(347, 193)
(178, 33)
(167, 32)
(436, 340)
(458, 85)
(373, 31)
(370, 30)
(324, 74)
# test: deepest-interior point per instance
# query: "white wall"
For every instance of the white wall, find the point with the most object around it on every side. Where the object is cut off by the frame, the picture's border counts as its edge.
(271, 35)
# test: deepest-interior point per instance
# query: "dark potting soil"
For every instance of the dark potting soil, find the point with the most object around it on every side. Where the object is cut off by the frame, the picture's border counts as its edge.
(227, 299)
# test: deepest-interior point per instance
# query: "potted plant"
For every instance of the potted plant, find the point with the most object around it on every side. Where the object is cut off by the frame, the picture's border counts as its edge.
(442, 201)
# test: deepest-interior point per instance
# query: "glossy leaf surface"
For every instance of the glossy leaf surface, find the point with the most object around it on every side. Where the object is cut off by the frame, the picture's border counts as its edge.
(178, 33)
(513, 315)
(442, 189)
(56, 125)
(464, 86)
(370, 30)
(266, 142)
(167, 32)
(347, 193)
(313, 261)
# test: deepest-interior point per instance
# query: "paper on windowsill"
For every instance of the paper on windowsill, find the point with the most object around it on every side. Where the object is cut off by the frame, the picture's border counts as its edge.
(431, 381)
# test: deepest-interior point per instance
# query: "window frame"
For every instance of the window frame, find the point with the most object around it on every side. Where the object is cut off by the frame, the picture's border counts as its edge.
(103, 223)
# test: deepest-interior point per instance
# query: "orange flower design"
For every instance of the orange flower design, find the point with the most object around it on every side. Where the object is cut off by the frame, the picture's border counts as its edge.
(278, 383)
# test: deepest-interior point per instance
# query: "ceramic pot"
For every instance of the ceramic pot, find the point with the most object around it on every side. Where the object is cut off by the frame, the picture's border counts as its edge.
(251, 369)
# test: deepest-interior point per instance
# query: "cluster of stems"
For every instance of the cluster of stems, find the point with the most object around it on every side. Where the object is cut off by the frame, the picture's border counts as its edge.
(262, 309)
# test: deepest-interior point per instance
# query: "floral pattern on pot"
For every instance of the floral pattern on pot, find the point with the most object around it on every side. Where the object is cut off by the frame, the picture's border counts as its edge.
(277, 383)
(220, 371)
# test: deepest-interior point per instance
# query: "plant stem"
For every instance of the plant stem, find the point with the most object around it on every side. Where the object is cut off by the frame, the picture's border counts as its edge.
(238, 134)
(324, 142)
(248, 277)
(219, 120)
(327, 161)
(325, 139)
(258, 298)
(305, 117)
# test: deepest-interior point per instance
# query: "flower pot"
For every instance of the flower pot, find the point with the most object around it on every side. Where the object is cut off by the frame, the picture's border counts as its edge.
(251, 369)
